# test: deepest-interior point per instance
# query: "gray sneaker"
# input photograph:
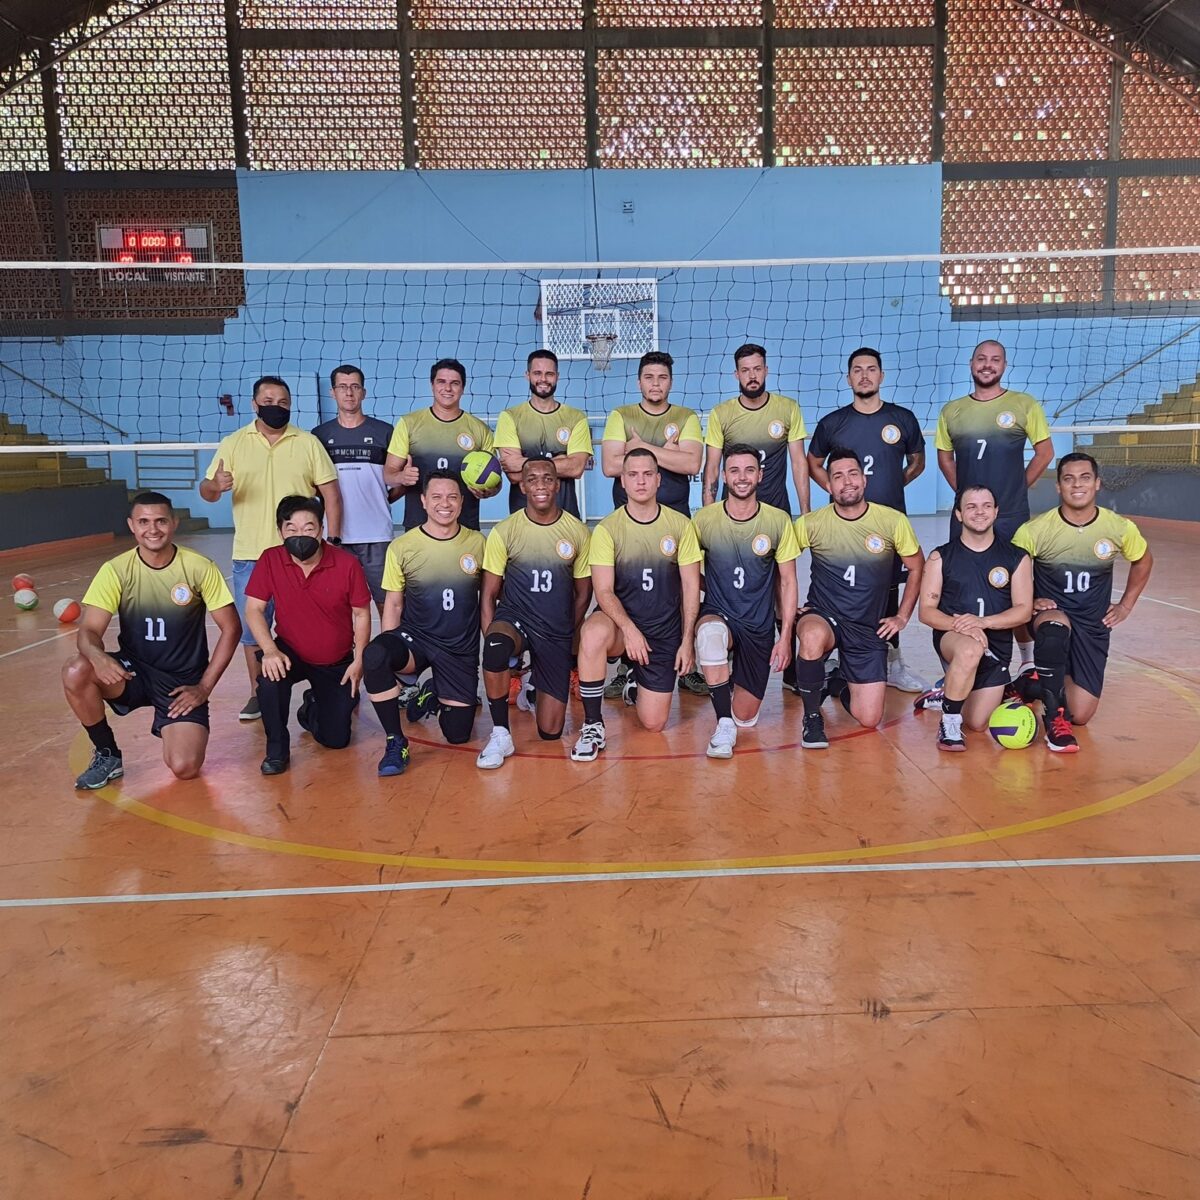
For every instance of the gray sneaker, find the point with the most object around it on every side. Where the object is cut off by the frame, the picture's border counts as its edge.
(250, 710)
(104, 766)
(614, 689)
(695, 683)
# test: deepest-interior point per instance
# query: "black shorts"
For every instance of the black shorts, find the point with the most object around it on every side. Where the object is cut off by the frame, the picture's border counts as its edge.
(455, 676)
(549, 658)
(148, 688)
(751, 649)
(862, 653)
(990, 672)
(1088, 656)
(659, 674)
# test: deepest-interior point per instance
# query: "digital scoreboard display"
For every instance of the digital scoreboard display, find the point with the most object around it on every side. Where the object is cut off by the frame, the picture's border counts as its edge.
(156, 254)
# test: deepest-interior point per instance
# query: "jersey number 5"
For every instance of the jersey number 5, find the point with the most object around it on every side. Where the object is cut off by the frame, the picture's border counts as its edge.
(647, 579)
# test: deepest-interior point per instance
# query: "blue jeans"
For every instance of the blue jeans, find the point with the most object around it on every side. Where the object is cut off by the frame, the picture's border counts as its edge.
(242, 568)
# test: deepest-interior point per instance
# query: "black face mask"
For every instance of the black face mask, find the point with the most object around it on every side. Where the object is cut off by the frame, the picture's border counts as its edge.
(274, 416)
(302, 548)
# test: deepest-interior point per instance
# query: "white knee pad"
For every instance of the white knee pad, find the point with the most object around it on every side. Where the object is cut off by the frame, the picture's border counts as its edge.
(712, 644)
(749, 723)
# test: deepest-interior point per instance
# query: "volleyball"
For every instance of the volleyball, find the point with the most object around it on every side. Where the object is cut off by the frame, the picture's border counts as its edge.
(26, 599)
(1013, 725)
(67, 611)
(481, 470)
(21, 581)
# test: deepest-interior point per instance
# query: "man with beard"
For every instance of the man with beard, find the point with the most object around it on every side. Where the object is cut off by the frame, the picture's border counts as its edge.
(976, 590)
(772, 424)
(543, 427)
(1074, 548)
(750, 557)
(888, 440)
(852, 543)
(536, 588)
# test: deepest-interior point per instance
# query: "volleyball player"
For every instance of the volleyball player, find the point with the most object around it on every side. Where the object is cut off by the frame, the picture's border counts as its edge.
(543, 427)
(772, 424)
(976, 589)
(887, 438)
(749, 553)
(160, 594)
(646, 577)
(852, 543)
(435, 439)
(536, 589)
(1074, 548)
(430, 619)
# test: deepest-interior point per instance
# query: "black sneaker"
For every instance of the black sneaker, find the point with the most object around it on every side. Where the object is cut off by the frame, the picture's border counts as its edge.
(694, 682)
(423, 704)
(930, 699)
(948, 740)
(105, 765)
(395, 757)
(1060, 737)
(812, 736)
(304, 712)
(614, 689)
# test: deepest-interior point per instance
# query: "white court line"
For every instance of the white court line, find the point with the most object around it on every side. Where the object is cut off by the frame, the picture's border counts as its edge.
(22, 649)
(437, 885)
(1170, 605)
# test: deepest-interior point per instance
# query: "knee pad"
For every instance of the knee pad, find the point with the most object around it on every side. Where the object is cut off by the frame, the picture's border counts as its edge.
(549, 737)
(378, 672)
(749, 723)
(456, 724)
(1051, 643)
(498, 652)
(712, 644)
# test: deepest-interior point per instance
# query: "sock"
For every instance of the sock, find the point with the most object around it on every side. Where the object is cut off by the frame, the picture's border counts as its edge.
(1025, 650)
(499, 711)
(810, 682)
(591, 692)
(102, 736)
(952, 708)
(721, 695)
(837, 687)
(388, 712)
(1052, 642)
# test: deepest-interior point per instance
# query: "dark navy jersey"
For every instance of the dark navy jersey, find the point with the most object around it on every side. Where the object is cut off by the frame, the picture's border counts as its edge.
(978, 583)
(881, 439)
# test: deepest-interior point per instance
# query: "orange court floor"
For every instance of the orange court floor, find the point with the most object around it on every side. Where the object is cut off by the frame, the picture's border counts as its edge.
(872, 971)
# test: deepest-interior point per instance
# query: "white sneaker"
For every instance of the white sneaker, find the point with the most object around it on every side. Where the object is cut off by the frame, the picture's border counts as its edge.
(526, 696)
(590, 743)
(723, 740)
(902, 679)
(499, 747)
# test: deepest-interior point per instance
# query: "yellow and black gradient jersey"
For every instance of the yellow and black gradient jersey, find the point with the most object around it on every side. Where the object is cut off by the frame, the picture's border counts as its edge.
(440, 580)
(988, 439)
(432, 444)
(1073, 564)
(853, 560)
(539, 565)
(739, 563)
(646, 557)
(769, 429)
(161, 610)
(544, 435)
(656, 429)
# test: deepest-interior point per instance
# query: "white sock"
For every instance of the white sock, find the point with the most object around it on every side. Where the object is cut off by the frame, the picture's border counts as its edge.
(1025, 649)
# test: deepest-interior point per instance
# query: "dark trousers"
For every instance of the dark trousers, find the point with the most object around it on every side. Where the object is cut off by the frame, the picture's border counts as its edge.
(328, 717)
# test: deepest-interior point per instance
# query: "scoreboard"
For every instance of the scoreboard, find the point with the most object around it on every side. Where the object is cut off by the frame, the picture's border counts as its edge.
(156, 254)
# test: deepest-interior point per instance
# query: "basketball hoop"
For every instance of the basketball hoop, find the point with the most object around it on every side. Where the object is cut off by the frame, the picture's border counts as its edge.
(601, 346)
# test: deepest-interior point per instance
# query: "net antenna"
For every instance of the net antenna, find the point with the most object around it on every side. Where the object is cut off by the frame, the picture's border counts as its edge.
(599, 319)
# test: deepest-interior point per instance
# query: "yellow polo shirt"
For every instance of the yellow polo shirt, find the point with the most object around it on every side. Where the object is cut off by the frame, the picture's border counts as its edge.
(262, 475)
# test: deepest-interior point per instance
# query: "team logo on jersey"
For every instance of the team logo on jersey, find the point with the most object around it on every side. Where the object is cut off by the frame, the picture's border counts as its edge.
(465, 441)
(890, 434)
(672, 430)
(874, 543)
(998, 577)
(469, 564)
(1005, 420)
(181, 594)
(565, 550)
(776, 429)
(563, 434)
(1104, 549)
(761, 544)
(668, 545)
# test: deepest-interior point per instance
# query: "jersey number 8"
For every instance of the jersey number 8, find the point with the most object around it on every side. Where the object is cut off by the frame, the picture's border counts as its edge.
(447, 599)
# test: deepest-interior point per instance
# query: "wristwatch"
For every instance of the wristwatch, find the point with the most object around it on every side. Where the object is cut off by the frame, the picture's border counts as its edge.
(334, 541)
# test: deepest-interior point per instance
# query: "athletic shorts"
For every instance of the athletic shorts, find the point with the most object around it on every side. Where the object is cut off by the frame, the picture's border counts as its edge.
(751, 650)
(990, 672)
(862, 653)
(659, 674)
(372, 556)
(1088, 656)
(455, 676)
(149, 689)
(242, 568)
(549, 658)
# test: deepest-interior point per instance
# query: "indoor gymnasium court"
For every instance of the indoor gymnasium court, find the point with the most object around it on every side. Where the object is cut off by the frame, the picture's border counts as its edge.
(870, 969)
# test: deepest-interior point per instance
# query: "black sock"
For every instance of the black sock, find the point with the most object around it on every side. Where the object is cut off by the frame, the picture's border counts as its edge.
(591, 692)
(102, 736)
(721, 695)
(810, 682)
(952, 707)
(499, 711)
(388, 712)
(1051, 648)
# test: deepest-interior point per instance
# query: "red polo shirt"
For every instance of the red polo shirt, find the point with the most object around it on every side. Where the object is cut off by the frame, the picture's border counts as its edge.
(312, 613)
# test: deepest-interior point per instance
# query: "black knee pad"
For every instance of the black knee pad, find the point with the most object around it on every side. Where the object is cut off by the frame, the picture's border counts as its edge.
(498, 651)
(549, 737)
(456, 724)
(379, 674)
(1051, 643)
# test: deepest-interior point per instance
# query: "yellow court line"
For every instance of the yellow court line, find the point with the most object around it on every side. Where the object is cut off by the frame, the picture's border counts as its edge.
(1176, 774)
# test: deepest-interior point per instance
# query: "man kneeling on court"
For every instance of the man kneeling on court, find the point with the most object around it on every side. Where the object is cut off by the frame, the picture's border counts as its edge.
(160, 593)
(322, 626)
(646, 576)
